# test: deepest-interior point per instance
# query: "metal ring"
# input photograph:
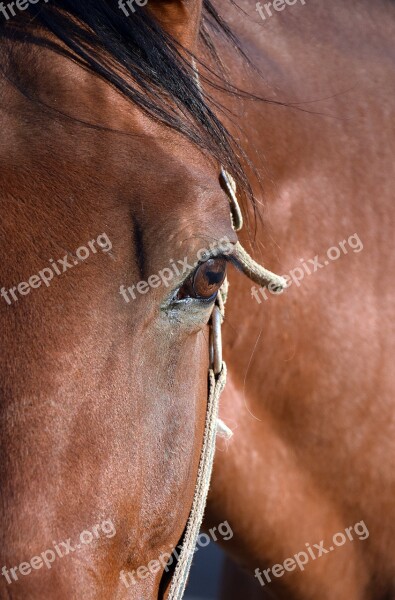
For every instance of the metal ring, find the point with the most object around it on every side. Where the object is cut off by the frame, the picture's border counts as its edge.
(216, 341)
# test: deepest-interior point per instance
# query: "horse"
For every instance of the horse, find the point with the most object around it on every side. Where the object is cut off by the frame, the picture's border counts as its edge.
(111, 172)
(115, 129)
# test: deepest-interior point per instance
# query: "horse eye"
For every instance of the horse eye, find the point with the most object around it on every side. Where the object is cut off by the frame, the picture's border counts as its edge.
(205, 281)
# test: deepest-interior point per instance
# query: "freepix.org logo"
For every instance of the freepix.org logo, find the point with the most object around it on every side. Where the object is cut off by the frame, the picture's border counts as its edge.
(8, 10)
(175, 269)
(131, 4)
(166, 559)
(313, 265)
(58, 267)
(265, 10)
(59, 550)
(312, 552)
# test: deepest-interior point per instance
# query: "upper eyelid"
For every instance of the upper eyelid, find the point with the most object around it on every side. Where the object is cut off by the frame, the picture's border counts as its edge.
(218, 253)
(227, 257)
(214, 253)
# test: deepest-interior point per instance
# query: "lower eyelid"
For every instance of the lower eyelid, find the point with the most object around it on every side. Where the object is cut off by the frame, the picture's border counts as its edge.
(189, 312)
(190, 300)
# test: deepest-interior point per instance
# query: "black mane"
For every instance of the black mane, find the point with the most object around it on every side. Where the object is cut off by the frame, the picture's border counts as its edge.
(137, 56)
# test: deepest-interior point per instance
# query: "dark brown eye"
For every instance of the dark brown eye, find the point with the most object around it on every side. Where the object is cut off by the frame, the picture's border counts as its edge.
(205, 281)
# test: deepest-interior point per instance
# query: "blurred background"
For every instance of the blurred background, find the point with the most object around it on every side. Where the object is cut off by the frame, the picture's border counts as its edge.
(204, 581)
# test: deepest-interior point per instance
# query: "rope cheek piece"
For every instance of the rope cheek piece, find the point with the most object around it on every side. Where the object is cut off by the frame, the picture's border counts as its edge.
(216, 383)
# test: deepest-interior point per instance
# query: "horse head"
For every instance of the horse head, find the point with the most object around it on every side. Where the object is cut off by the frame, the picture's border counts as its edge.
(115, 236)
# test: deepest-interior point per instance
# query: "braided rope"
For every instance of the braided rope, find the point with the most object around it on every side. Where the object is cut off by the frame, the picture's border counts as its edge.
(213, 425)
(180, 577)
